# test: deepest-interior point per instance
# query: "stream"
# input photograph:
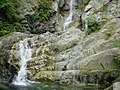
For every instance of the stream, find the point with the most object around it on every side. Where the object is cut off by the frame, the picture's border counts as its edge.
(69, 18)
(44, 86)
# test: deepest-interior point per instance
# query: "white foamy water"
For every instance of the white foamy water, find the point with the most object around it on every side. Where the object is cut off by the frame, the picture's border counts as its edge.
(25, 56)
(68, 20)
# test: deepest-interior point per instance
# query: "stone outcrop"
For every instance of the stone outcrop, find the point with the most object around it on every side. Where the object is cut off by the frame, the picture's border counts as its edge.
(71, 57)
(116, 86)
(7, 68)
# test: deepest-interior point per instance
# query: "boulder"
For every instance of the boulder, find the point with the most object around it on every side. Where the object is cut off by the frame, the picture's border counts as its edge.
(116, 86)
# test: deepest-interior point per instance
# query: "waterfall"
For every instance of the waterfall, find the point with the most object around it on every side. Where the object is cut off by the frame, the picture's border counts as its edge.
(25, 55)
(68, 20)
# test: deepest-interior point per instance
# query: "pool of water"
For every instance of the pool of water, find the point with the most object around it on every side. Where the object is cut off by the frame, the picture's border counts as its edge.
(44, 86)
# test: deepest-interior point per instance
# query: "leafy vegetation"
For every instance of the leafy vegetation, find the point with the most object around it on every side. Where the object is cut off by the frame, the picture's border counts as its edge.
(103, 8)
(8, 10)
(2, 61)
(6, 28)
(86, 2)
(9, 16)
(93, 25)
(117, 59)
(44, 10)
(116, 43)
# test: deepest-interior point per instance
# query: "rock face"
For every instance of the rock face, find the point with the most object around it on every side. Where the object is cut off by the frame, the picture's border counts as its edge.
(7, 68)
(29, 11)
(116, 86)
(70, 56)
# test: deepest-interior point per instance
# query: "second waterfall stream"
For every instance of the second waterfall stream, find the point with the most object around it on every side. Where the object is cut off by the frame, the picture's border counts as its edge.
(25, 52)
(69, 18)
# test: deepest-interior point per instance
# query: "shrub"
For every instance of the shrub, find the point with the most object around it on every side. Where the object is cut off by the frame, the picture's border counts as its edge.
(8, 9)
(44, 11)
(116, 43)
(93, 25)
(9, 16)
(6, 28)
(117, 59)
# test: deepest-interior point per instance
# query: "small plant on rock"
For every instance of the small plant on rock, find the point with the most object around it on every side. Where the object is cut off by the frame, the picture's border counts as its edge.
(117, 59)
(93, 25)
(1, 61)
(116, 43)
(6, 28)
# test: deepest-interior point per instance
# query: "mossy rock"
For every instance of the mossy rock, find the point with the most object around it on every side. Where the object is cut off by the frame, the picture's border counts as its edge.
(116, 44)
(117, 60)
(93, 25)
(109, 33)
(44, 10)
(103, 8)
(85, 2)
(2, 62)
(44, 76)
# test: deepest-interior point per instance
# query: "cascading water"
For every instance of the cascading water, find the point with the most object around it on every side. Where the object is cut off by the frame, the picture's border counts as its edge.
(25, 55)
(68, 20)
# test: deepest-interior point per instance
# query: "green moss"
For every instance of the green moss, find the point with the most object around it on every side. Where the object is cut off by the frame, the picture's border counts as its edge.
(6, 28)
(85, 2)
(43, 76)
(5, 87)
(116, 43)
(103, 8)
(44, 10)
(115, 73)
(2, 62)
(48, 62)
(109, 33)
